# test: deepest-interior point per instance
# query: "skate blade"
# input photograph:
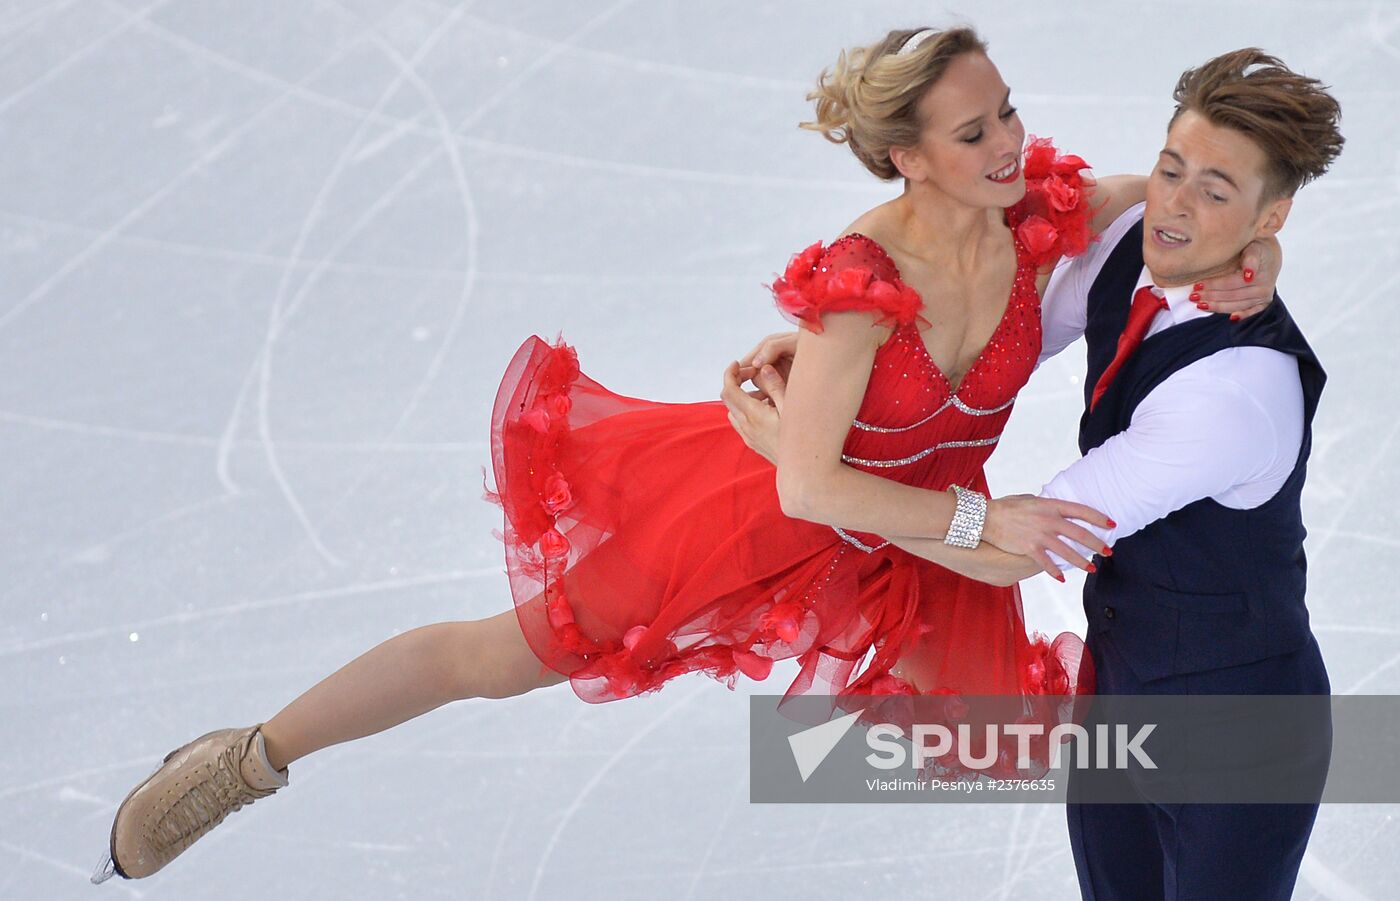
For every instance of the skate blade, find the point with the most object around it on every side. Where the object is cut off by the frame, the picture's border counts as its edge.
(106, 869)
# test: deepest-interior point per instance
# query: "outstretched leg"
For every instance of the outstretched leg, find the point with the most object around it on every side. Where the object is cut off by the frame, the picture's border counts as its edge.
(405, 677)
(201, 782)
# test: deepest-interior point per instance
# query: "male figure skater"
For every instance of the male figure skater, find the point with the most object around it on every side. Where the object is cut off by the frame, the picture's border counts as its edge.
(1196, 435)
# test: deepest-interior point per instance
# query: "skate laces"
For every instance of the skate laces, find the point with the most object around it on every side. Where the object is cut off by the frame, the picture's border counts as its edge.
(208, 800)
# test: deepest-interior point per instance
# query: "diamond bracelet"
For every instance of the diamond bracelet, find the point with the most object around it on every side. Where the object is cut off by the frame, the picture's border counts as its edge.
(968, 519)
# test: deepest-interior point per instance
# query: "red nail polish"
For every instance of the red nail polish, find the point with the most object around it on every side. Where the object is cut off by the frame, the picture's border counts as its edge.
(1195, 297)
(1249, 275)
(1060, 576)
(1203, 308)
(1107, 551)
(1112, 524)
(1198, 286)
(1092, 568)
(1234, 317)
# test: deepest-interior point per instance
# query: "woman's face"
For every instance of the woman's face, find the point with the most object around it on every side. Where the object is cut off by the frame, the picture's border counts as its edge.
(970, 146)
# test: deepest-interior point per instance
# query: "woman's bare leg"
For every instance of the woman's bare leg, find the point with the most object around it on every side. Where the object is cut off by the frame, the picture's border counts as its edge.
(405, 677)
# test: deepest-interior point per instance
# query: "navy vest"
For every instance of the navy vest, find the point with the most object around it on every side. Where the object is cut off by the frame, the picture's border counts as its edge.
(1206, 586)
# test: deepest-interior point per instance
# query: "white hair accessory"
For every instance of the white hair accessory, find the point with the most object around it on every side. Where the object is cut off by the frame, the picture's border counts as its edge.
(915, 40)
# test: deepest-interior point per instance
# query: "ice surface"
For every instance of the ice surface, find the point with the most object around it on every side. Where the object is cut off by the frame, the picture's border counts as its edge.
(261, 265)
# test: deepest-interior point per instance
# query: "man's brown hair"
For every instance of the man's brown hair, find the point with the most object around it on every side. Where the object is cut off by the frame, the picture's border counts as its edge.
(1290, 116)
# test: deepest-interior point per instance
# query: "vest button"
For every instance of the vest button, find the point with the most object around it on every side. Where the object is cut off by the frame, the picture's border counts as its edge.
(1108, 612)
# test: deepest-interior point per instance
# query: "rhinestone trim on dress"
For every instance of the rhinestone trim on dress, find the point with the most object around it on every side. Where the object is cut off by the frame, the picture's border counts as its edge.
(974, 411)
(851, 539)
(981, 442)
(953, 401)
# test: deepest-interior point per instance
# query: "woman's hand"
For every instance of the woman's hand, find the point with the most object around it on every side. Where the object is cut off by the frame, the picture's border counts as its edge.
(1249, 289)
(1030, 526)
(755, 414)
(777, 350)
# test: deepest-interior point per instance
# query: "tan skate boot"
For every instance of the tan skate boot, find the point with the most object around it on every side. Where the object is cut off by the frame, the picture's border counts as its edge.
(196, 787)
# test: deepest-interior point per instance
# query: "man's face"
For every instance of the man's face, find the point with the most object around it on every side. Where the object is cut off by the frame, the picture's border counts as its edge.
(1203, 202)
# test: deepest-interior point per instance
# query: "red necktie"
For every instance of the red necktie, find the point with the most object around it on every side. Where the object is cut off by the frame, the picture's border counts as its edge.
(1145, 307)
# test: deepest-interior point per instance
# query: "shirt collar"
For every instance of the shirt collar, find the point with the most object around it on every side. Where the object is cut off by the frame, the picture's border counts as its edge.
(1179, 304)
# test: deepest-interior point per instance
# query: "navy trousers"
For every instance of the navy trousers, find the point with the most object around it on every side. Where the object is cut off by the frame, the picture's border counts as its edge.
(1195, 852)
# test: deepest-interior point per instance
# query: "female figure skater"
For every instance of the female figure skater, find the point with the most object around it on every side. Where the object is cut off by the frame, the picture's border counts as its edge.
(645, 540)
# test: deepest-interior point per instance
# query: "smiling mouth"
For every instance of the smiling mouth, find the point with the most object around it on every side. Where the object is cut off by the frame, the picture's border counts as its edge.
(1165, 237)
(1007, 174)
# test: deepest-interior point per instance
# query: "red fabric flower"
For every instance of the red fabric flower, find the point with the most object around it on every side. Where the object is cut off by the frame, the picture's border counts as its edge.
(1062, 195)
(885, 296)
(1045, 673)
(754, 666)
(560, 405)
(848, 284)
(632, 636)
(553, 544)
(783, 620)
(1043, 160)
(557, 496)
(1053, 219)
(1038, 235)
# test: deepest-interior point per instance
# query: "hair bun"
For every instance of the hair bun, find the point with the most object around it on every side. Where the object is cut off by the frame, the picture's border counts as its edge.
(869, 99)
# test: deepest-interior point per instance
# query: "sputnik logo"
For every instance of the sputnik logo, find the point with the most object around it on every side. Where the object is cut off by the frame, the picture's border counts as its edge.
(811, 746)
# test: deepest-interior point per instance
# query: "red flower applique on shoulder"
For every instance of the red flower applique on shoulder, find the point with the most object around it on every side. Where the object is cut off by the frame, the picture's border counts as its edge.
(852, 274)
(1053, 219)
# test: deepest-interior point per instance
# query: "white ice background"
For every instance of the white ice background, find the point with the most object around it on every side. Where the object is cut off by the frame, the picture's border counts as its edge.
(261, 266)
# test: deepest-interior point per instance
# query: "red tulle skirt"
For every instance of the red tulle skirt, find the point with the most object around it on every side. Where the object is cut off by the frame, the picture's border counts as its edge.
(644, 540)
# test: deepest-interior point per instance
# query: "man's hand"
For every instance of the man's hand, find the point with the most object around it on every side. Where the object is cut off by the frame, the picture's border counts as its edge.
(1249, 289)
(755, 414)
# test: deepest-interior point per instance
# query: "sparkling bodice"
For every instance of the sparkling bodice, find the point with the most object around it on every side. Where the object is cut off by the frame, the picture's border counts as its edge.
(911, 426)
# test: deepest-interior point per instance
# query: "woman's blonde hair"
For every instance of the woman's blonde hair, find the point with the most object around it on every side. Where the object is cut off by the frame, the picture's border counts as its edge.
(869, 99)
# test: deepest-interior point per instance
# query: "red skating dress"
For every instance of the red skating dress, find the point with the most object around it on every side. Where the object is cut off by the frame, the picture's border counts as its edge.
(645, 540)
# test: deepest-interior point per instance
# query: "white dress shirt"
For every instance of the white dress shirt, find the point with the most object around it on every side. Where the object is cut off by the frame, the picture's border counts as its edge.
(1228, 426)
